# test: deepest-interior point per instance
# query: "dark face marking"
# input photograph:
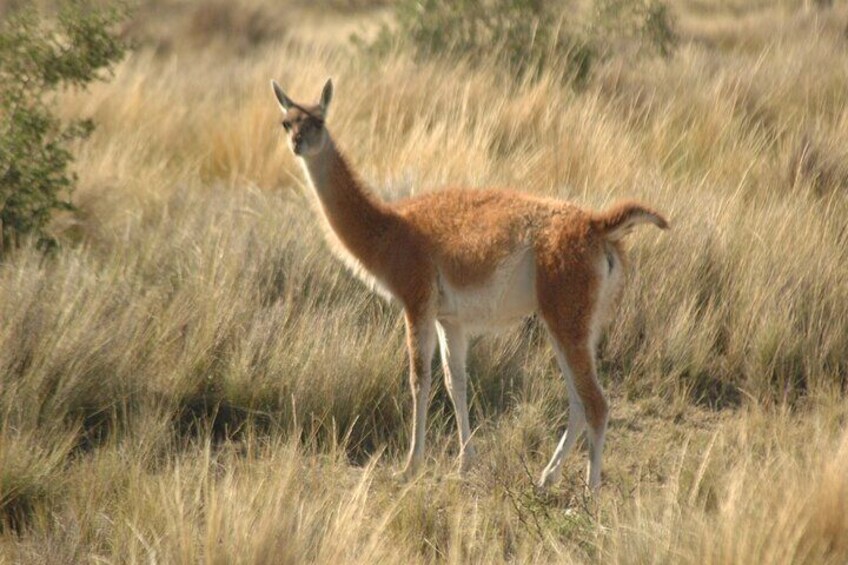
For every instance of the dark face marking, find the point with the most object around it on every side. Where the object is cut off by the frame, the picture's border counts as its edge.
(305, 128)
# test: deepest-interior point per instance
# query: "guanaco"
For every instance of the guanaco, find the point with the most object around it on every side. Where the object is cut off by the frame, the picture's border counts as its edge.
(460, 262)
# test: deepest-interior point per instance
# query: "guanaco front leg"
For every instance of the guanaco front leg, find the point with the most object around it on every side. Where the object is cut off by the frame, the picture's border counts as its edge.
(421, 342)
(453, 344)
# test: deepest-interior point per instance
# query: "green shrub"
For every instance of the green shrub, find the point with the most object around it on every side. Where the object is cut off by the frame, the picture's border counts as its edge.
(38, 57)
(525, 34)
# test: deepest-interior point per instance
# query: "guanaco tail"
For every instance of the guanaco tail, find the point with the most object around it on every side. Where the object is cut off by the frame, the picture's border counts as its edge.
(460, 262)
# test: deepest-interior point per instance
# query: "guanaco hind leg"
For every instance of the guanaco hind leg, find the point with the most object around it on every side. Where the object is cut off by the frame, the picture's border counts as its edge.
(576, 420)
(573, 299)
(588, 410)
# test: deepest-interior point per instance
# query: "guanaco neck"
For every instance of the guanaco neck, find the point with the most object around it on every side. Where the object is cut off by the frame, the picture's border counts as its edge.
(356, 216)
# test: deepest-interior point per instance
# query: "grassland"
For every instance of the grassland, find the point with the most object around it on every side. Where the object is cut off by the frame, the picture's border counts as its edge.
(195, 379)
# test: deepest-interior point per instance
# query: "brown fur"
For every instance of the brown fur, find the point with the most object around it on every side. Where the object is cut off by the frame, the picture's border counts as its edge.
(618, 220)
(469, 232)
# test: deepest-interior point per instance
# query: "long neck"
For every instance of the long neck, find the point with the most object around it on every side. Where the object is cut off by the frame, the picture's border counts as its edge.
(356, 216)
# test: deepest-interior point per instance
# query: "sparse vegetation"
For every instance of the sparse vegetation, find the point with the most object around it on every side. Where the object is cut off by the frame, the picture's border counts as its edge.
(195, 378)
(526, 36)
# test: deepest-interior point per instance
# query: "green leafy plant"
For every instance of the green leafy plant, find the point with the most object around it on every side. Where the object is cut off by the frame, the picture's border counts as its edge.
(39, 57)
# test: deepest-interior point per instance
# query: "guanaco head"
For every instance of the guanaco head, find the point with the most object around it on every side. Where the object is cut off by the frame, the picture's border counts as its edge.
(304, 124)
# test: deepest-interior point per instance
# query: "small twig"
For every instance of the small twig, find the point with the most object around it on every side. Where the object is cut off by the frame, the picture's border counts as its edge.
(514, 501)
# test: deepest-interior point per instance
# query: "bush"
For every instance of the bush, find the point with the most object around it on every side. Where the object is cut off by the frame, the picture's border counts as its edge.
(648, 23)
(38, 57)
(527, 34)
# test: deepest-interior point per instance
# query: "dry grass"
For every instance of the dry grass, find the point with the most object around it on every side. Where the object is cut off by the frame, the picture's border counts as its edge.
(194, 378)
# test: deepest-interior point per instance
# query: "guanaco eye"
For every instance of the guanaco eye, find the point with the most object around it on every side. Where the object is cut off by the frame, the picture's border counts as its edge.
(286, 125)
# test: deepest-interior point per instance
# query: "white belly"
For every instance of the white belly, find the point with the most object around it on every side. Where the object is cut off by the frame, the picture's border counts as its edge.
(508, 296)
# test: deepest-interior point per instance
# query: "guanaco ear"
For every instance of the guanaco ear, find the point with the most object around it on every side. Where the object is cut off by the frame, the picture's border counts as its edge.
(285, 101)
(326, 96)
